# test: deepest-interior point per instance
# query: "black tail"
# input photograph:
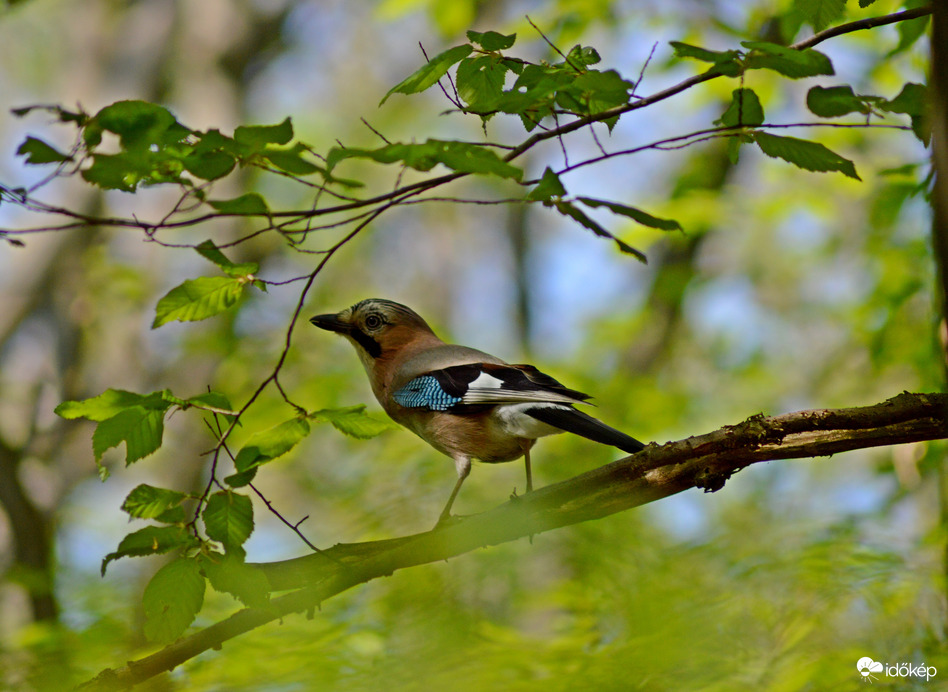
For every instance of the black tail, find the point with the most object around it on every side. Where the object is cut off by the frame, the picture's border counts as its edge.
(569, 419)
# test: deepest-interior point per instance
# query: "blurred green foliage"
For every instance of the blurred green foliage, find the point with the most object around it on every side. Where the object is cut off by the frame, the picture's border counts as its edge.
(785, 290)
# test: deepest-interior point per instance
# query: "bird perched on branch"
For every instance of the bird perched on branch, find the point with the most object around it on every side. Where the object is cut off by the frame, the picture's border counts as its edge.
(463, 402)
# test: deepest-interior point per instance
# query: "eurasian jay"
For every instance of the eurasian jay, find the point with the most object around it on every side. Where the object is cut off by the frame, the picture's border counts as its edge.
(463, 402)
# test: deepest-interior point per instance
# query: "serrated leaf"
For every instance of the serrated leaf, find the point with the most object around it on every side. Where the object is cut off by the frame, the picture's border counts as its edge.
(251, 203)
(820, 13)
(151, 540)
(354, 421)
(198, 299)
(795, 64)
(429, 74)
(228, 519)
(113, 401)
(139, 428)
(633, 213)
(149, 502)
(172, 599)
(491, 40)
(272, 443)
(38, 152)
(811, 156)
(229, 574)
(832, 102)
(257, 137)
(744, 109)
(208, 250)
(548, 187)
(569, 210)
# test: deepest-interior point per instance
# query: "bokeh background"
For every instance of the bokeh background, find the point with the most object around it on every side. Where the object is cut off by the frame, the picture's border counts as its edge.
(787, 290)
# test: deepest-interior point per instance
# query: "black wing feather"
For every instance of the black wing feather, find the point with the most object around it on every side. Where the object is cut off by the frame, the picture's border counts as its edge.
(569, 419)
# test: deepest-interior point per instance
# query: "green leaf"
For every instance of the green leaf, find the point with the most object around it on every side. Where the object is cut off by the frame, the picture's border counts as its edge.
(113, 401)
(38, 152)
(198, 299)
(291, 160)
(463, 157)
(636, 215)
(127, 170)
(257, 137)
(272, 443)
(912, 100)
(480, 83)
(567, 209)
(820, 13)
(229, 574)
(149, 502)
(787, 61)
(172, 599)
(209, 165)
(228, 519)
(745, 109)
(491, 40)
(430, 73)
(354, 421)
(209, 251)
(215, 399)
(685, 50)
(548, 187)
(832, 102)
(582, 56)
(239, 480)
(139, 428)
(802, 153)
(599, 91)
(139, 125)
(151, 540)
(249, 204)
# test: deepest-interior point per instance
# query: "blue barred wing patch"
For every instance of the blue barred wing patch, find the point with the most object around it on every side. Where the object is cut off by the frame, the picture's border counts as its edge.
(425, 392)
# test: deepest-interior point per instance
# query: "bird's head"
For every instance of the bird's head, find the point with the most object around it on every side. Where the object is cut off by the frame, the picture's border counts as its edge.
(377, 328)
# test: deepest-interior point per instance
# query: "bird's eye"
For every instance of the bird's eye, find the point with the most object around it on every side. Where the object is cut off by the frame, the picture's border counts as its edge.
(373, 321)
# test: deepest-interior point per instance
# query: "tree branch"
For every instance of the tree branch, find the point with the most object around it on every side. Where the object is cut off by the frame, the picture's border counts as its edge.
(705, 461)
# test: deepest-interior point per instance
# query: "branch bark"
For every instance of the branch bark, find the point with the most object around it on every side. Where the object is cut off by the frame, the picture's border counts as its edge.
(705, 462)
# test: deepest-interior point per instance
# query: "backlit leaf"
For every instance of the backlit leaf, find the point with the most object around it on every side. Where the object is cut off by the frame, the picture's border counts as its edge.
(172, 599)
(198, 299)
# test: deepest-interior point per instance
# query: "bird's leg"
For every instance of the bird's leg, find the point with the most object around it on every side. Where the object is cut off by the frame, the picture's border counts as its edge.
(525, 445)
(463, 466)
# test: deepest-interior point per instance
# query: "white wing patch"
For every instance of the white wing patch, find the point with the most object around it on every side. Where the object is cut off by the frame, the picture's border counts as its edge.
(516, 422)
(486, 381)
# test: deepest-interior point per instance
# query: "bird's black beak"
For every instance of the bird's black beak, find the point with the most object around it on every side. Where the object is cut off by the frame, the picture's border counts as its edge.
(330, 323)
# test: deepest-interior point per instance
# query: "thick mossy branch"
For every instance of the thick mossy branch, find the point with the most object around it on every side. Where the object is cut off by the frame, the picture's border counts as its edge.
(704, 461)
